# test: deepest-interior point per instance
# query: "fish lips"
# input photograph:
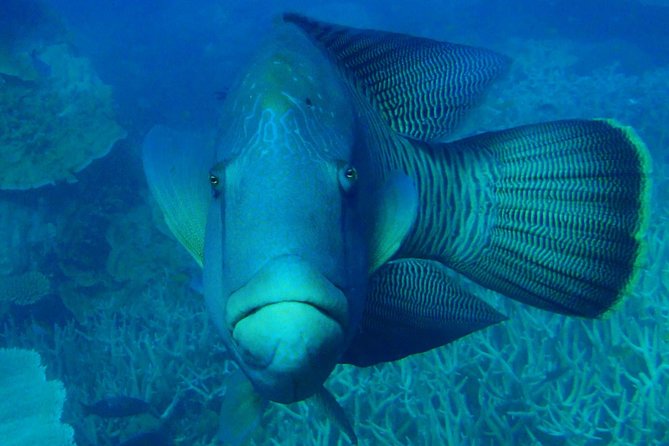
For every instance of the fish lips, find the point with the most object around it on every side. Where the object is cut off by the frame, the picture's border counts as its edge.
(288, 326)
(287, 279)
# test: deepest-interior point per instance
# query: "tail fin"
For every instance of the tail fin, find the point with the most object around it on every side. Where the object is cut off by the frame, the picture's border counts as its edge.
(553, 216)
(571, 210)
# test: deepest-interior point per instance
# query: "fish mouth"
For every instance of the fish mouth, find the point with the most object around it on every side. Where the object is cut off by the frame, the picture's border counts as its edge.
(288, 328)
(283, 280)
(311, 340)
(250, 309)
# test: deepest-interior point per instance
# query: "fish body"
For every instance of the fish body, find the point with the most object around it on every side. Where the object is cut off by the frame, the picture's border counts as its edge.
(333, 226)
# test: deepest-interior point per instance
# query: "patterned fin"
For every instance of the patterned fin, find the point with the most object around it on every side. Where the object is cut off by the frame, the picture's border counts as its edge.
(176, 165)
(413, 306)
(422, 88)
(551, 214)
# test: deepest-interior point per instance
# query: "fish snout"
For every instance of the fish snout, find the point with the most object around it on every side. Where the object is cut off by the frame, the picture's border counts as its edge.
(288, 325)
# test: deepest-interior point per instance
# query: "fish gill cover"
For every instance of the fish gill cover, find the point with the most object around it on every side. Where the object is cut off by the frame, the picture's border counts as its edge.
(92, 279)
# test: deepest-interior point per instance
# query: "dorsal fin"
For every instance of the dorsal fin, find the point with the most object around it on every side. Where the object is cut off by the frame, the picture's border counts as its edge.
(394, 214)
(421, 87)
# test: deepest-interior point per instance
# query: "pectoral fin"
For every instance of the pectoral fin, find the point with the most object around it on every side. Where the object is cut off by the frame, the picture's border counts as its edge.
(176, 165)
(393, 215)
(412, 306)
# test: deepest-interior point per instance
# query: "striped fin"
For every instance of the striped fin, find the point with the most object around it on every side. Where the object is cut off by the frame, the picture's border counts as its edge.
(413, 306)
(551, 214)
(421, 87)
(176, 165)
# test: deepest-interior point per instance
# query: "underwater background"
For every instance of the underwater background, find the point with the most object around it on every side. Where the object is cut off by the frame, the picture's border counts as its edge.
(92, 280)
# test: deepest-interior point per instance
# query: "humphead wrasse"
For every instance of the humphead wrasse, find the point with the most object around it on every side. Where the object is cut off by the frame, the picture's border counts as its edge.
(332, 223)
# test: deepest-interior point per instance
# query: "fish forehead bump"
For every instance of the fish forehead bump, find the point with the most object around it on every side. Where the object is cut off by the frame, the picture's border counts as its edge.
(289, 97)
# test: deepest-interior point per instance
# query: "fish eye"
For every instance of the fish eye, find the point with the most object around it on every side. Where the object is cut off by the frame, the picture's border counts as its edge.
(348, 176)
(214, 181)
(216, 173)
(216, 178)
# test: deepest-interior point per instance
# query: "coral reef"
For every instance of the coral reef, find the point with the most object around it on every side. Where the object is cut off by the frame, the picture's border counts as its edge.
(54, 127)
(112, 276)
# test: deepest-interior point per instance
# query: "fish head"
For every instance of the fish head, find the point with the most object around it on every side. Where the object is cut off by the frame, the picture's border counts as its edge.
(285, 264)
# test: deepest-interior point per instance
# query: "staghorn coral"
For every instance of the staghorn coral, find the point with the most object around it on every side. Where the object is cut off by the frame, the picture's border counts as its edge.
(53, 128)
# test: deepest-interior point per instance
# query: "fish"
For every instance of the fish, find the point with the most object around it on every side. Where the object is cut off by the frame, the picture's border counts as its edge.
(118, 406)
(335, 222)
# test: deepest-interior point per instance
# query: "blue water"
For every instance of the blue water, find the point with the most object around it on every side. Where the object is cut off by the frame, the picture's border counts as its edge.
(124, 314)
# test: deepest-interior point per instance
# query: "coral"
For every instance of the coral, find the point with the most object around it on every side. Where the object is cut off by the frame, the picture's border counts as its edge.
(30, 406)
(24, 289)
(110, 266)
(53, 128)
